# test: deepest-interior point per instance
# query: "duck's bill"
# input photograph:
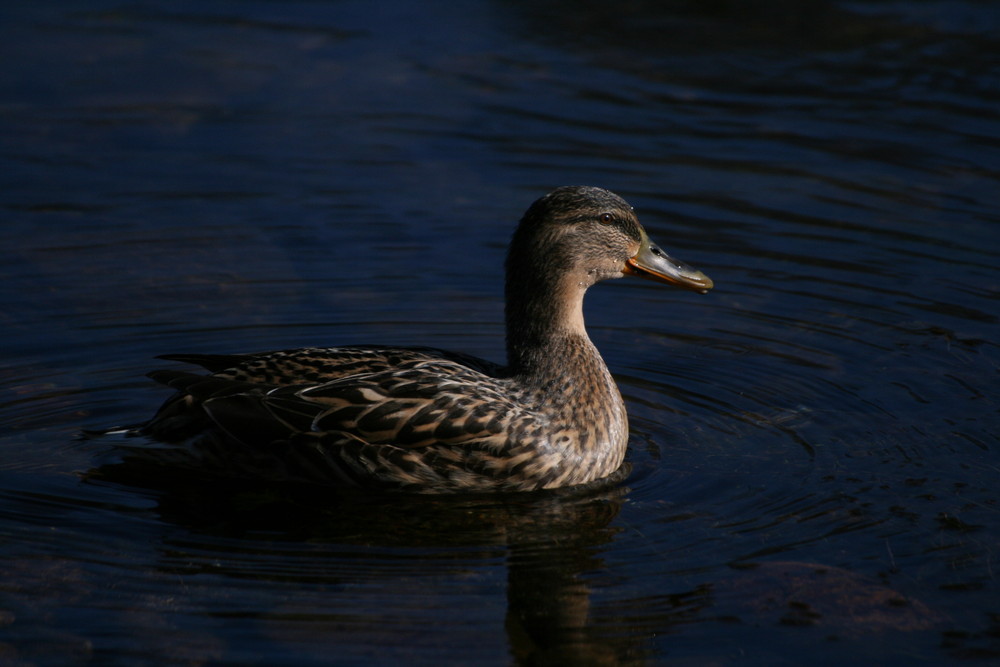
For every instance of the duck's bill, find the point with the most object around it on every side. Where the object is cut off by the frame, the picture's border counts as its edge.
(654, 264)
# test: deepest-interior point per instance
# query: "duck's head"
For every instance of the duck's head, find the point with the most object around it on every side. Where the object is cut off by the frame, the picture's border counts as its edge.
(585, 234)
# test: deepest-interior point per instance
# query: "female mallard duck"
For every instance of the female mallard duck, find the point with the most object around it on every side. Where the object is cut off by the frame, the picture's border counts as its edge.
(430, 421)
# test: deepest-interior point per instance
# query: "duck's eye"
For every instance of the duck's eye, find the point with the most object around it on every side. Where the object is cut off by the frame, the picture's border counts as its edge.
(606, 218)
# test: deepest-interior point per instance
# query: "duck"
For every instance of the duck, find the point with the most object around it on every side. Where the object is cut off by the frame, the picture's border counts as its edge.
(374, 418)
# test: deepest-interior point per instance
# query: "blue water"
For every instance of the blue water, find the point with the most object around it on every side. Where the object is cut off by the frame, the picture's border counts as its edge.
(814, 461)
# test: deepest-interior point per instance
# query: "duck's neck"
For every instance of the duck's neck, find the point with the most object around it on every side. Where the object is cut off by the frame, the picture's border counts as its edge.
(550, 354)
(545, 326)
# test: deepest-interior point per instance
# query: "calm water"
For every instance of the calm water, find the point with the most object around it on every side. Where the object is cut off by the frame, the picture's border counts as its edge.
(815, 451)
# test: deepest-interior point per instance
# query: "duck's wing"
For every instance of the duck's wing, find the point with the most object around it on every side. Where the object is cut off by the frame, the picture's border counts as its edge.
(430, 425)
(403, 396)
(416, 404)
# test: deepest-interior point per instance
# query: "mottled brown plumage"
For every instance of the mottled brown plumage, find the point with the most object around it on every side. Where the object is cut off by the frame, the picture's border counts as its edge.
(430, 421)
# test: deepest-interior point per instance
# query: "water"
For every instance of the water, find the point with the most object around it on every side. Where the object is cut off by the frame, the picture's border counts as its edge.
(814, 456)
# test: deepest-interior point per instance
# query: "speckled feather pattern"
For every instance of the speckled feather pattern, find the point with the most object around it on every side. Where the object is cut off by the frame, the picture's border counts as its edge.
(399, 419)
(427, 420)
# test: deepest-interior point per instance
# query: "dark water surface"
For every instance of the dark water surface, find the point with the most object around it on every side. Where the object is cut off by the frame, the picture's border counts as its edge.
(815, 451)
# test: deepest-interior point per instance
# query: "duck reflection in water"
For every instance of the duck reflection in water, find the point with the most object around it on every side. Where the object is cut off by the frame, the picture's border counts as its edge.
(337, 548)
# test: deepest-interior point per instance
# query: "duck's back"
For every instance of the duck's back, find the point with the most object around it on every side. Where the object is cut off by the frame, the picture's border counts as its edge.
(315, 365)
